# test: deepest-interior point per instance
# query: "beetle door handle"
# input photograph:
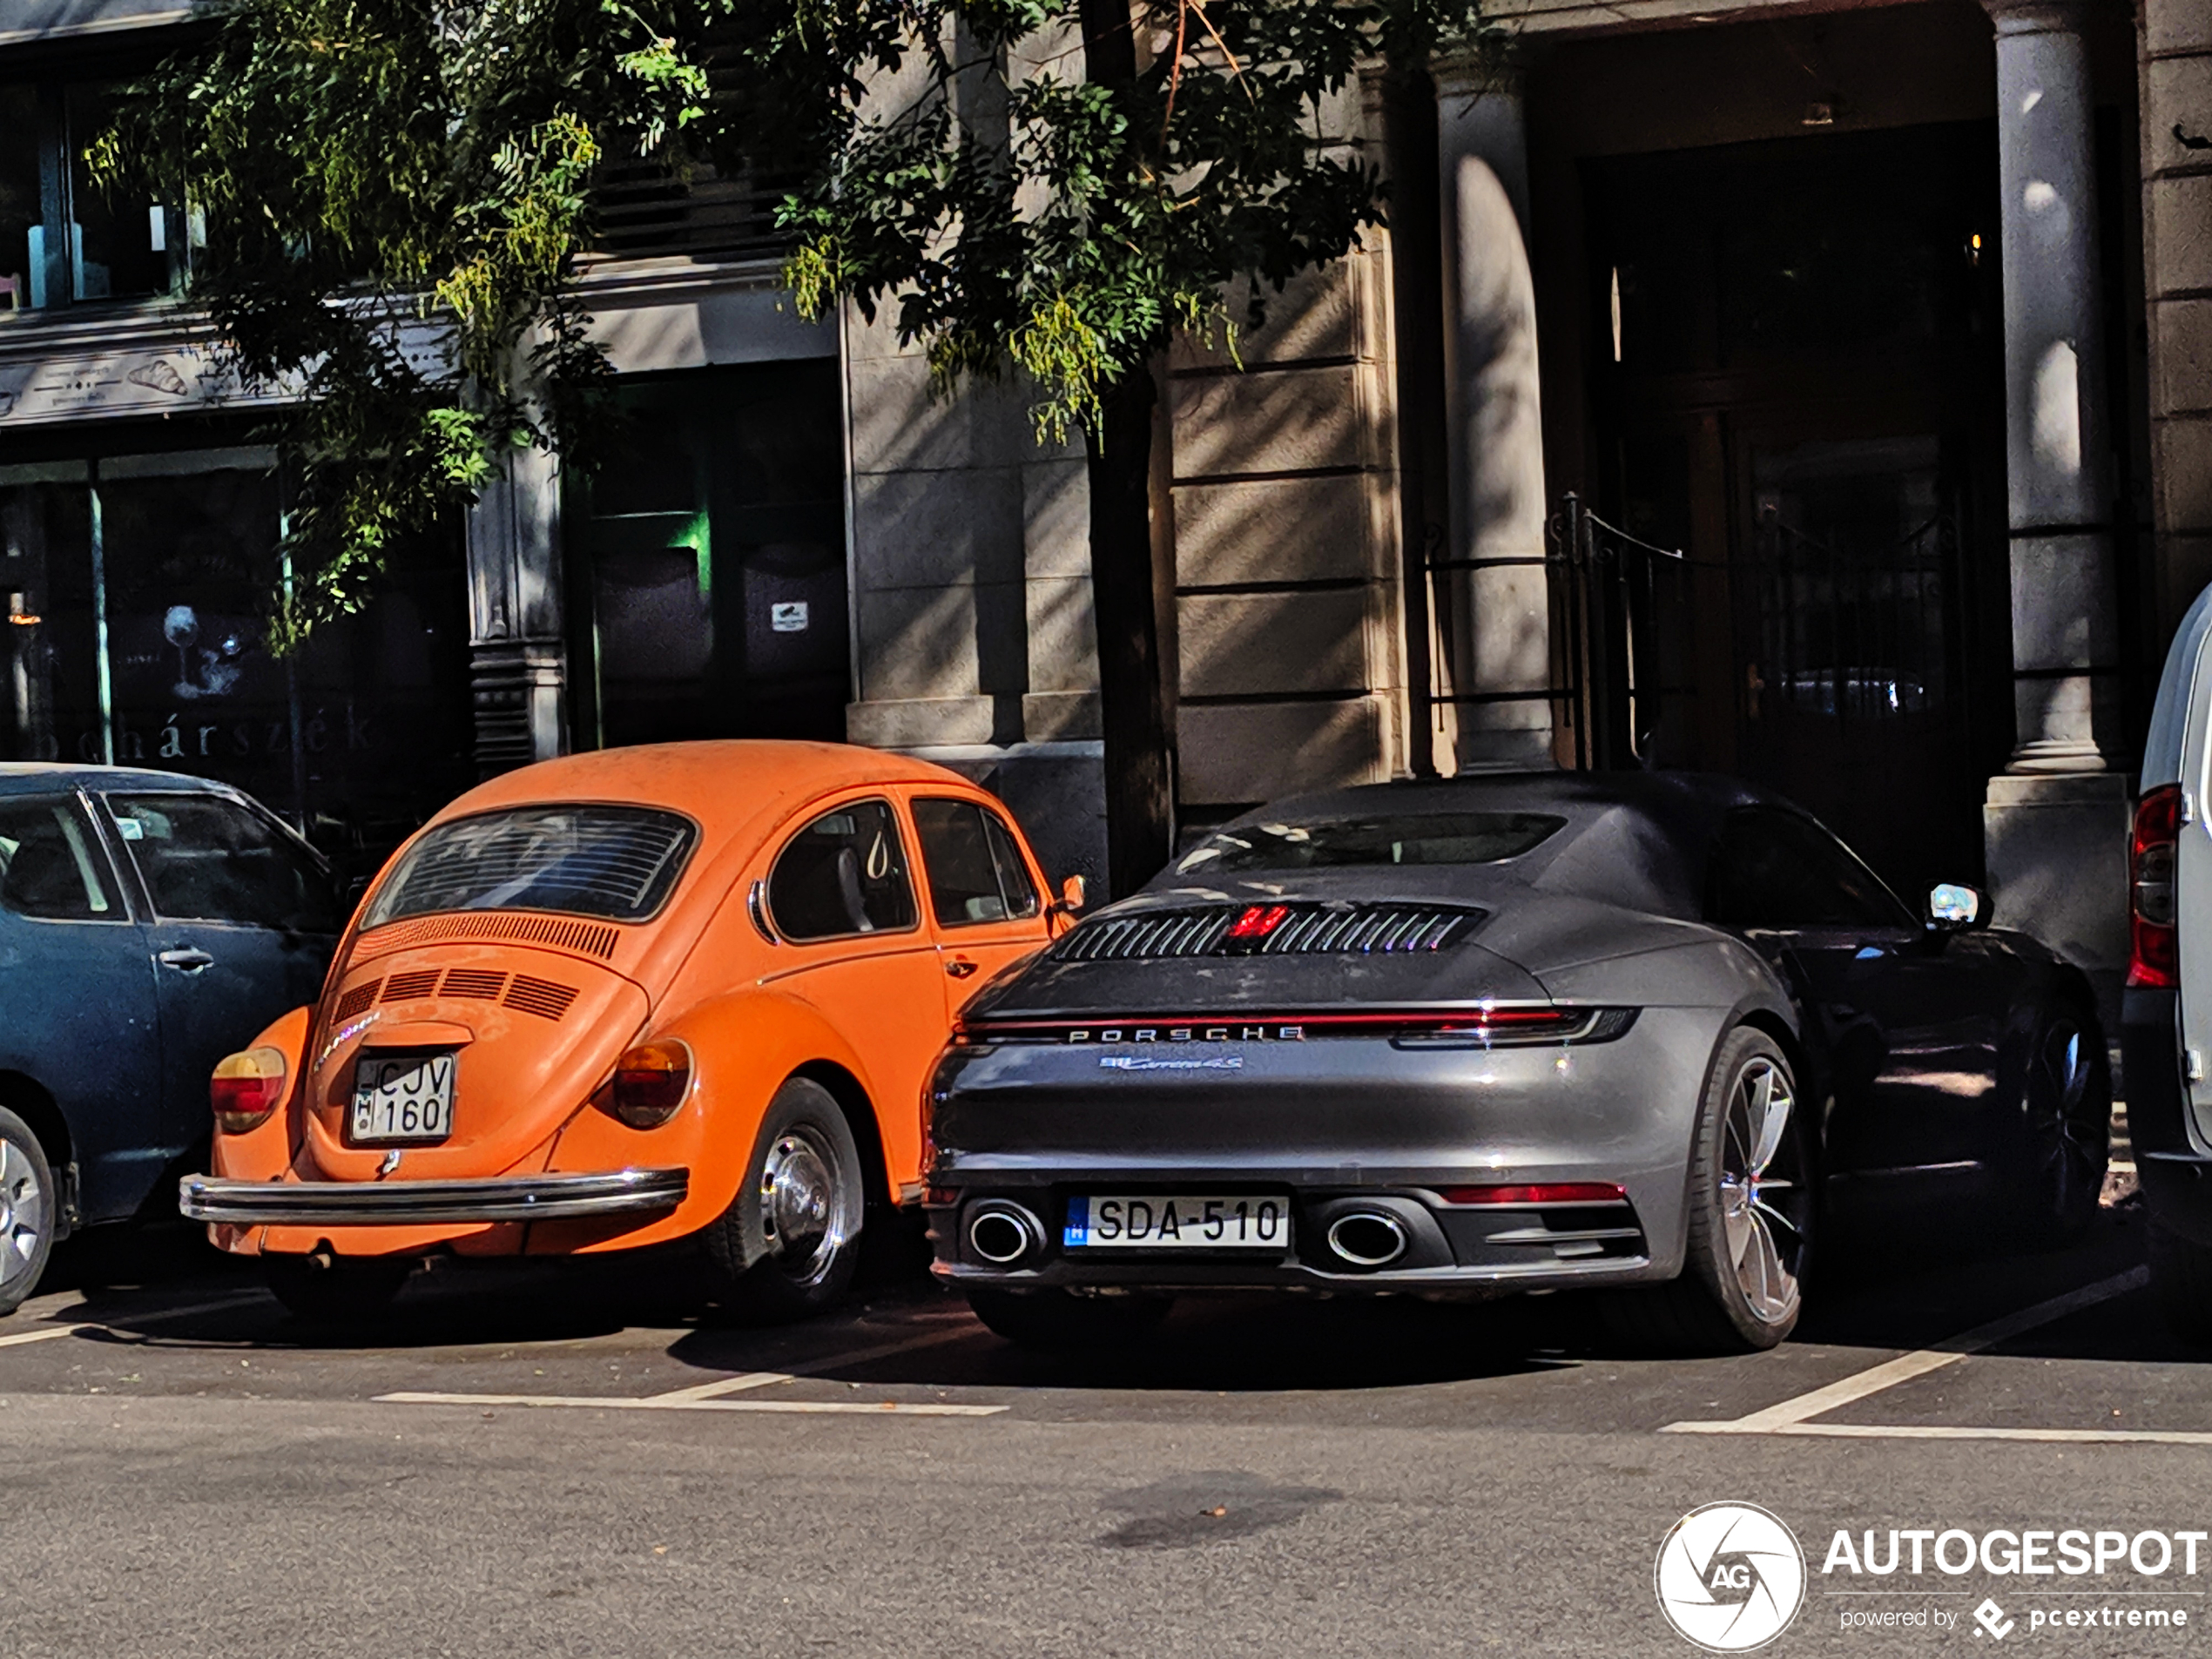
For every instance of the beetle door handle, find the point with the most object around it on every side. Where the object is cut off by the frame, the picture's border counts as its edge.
(190, 960)
(960, 967)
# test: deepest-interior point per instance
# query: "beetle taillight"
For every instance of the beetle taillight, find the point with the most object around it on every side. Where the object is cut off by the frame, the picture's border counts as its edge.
(650, 1082)
(245, 1089)
(2153, 944)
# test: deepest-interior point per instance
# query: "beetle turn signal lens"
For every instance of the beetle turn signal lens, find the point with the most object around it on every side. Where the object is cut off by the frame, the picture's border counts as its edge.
(650, 1082)
(245, 1089)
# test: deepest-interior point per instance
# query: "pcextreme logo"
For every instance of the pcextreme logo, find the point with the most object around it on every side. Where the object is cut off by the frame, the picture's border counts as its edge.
(1729, 1577)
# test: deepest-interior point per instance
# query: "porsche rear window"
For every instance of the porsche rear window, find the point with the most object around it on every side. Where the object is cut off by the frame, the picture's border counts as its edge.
(1413, 838)
(614, 862)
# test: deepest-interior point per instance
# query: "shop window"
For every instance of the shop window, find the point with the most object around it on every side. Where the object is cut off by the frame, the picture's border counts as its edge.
(357, 738)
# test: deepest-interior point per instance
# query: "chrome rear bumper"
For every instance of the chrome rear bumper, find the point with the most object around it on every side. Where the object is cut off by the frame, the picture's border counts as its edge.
(395, 1203)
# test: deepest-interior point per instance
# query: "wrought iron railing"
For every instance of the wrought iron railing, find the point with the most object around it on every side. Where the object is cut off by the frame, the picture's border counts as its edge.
(1620, 601)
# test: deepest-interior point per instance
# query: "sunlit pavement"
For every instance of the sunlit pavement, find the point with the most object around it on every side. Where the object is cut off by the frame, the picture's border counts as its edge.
(551, 1461)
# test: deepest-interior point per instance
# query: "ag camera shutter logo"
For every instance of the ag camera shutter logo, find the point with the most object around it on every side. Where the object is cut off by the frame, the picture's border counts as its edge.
(1729, 1577)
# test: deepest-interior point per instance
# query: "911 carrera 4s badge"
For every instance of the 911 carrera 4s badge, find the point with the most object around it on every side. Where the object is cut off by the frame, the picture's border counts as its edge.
(1133, 1062)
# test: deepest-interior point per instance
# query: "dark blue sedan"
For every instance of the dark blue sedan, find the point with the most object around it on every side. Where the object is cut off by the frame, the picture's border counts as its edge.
(150, 924)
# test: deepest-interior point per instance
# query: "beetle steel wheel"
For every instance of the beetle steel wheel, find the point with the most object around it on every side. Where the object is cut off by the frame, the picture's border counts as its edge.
(23, 1220)
(1762, 1191)
(803, 1210)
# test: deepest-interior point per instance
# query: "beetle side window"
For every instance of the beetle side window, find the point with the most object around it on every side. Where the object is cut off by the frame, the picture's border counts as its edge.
(975, 871)
(1778, 869)
(51, 865)
(842, 874)
(206, 858)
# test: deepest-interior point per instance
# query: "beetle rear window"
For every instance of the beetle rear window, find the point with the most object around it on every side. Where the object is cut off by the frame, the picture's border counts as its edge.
(617, 863)
(1412, 837)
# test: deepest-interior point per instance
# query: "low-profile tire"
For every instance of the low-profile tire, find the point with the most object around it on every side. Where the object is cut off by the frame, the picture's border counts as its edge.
(787, 1246)
(2180, 1283)
(337, 1290)
(2065, 1132)
(28, 1203)
(1059, 1319)
(1751, 1205)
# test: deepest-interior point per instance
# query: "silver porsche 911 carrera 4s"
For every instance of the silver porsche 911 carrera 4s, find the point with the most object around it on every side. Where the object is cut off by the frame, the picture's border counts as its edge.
(1494, 1035)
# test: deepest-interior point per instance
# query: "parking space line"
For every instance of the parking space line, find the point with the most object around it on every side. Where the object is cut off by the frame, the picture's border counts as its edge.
(1942, 1432)
(712, 1396)
(48, 1333)
(751, 1379)
(1792, 1416)
(620, 1403)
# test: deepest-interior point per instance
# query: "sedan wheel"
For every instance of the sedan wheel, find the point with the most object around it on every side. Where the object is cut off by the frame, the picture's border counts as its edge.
(2066, 1117)
(26, 1211)
(788, 1243)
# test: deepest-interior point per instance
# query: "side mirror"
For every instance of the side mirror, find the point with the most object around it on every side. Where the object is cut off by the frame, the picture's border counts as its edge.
(1954, 908)
(1073, 892)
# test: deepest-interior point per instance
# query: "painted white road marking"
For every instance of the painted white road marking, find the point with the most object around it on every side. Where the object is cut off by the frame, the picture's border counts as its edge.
(712, 1396)
(750, 1379)
(1792, 1416)
(874, 1409)
(48, 1333)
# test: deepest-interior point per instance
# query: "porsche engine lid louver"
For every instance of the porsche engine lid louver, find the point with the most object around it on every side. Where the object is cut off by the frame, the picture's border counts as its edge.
(1268, 930)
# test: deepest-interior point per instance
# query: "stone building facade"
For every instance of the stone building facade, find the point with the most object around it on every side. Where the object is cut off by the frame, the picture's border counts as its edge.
(1892, 320)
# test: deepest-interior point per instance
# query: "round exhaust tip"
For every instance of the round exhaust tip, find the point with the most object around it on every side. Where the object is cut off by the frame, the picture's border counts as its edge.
(1368, 1238)
(1003, 1234)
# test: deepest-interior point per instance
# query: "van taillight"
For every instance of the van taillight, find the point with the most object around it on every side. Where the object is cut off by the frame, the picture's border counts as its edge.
(2154, 954)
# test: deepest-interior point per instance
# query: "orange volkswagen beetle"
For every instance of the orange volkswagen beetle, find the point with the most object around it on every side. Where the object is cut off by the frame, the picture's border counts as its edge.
(625, 998)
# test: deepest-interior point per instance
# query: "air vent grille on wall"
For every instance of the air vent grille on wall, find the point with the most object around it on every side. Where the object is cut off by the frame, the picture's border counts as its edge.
(405, 988)
(540, 996)
(584, 938)
(361, 997)
(1267, 930)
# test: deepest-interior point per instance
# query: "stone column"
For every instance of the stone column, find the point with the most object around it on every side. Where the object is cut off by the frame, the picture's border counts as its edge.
(517, 655)
(2055, 823)
(1499, 606)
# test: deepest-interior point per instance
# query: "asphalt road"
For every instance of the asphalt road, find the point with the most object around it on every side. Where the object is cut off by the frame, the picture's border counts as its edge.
(544, 1462)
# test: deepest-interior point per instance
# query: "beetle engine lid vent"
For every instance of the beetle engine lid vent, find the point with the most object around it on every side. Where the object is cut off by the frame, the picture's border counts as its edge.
(583, 938)
(1269, 930)
(540, 996)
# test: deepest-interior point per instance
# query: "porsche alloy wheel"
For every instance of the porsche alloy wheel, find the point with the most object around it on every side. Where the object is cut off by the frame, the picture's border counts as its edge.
(788, 1243)
(26, 1211)
(1760, 1194)
(1750, 1216)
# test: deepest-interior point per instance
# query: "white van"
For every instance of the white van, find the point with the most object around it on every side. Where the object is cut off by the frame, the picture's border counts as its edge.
(2165, 1010)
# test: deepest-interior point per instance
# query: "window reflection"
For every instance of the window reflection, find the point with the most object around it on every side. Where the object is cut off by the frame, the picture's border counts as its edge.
(358, 737)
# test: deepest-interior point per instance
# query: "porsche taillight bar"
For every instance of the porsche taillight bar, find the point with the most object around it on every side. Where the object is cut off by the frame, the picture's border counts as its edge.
(1428, 1027)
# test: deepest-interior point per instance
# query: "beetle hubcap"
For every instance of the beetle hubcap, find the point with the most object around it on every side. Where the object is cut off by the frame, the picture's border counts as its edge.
(22, 1214)
(802, 1206)
(1762, 1200)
